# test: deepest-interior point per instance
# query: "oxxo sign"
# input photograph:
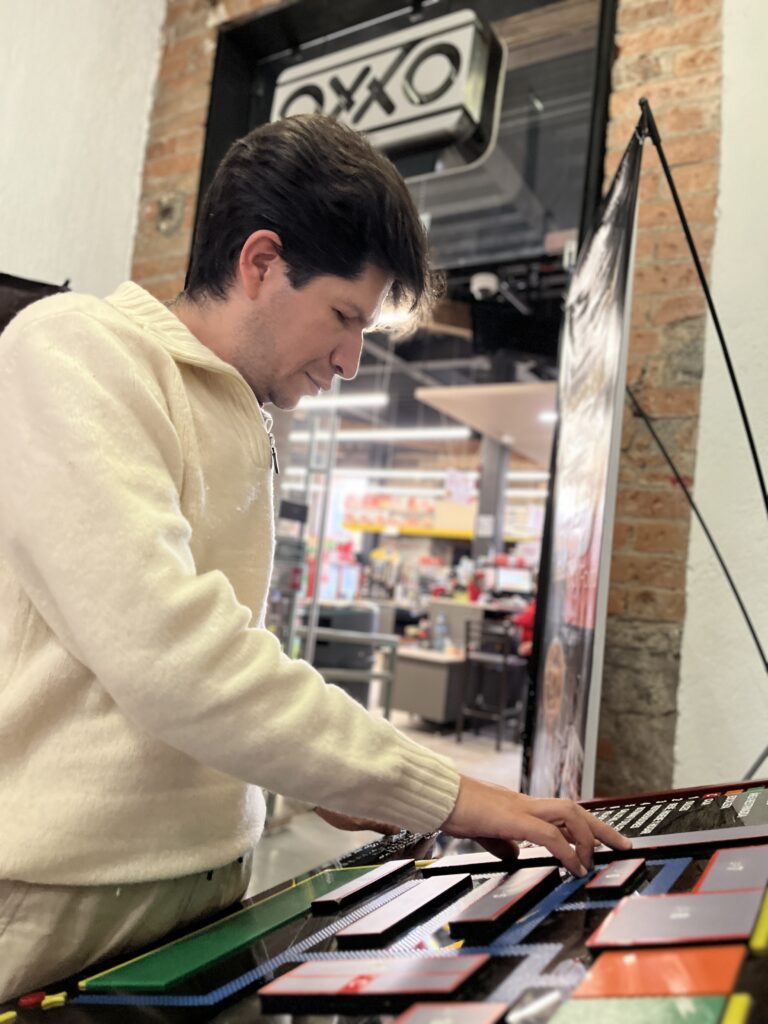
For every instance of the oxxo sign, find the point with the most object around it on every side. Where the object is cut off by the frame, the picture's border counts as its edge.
(420, 86)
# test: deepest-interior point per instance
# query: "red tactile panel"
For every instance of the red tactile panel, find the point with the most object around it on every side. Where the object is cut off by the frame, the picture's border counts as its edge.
(687, 971)
(350, 980)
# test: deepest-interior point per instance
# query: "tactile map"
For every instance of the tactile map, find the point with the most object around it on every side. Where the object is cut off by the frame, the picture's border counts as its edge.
(674, 930)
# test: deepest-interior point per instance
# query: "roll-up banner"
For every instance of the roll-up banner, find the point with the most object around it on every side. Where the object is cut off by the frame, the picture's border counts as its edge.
(593, 358)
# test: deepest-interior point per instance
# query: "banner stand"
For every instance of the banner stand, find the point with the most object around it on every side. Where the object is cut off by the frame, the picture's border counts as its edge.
(559, 759)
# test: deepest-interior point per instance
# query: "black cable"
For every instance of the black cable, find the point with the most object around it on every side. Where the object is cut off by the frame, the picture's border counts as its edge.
(753, 770)
(643, 415)
(653, 132)
(648, 127)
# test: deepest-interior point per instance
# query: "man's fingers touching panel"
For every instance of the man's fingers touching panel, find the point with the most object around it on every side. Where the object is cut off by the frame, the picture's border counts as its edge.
(583, 826)
(484, 811)
(542, 833)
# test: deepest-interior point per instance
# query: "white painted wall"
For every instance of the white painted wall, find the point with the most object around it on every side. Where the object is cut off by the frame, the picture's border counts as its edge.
(78, 79)
(723, 696)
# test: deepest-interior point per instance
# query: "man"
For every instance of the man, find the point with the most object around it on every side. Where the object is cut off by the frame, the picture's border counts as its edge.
(142, 700)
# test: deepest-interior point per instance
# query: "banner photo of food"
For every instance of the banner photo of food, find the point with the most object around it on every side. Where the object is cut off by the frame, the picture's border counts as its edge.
(590, 400)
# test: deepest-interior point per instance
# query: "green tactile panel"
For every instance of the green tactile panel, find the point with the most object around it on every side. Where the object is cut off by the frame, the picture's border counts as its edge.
(644, 1010)
(175, 961)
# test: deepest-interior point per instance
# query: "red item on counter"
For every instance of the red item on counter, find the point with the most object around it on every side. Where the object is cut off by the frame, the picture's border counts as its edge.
(525, 620)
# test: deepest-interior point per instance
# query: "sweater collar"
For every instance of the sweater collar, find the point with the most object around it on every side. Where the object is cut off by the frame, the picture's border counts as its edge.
(136, 303)
(139, 305)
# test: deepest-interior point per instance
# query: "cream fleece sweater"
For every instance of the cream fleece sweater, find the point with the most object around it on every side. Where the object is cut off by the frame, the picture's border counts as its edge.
(141, 700)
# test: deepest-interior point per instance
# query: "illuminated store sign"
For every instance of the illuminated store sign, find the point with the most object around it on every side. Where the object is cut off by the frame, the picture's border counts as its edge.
(422, 86)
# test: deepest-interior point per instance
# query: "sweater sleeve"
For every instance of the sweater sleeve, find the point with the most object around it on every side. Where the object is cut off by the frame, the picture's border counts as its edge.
(90, 519)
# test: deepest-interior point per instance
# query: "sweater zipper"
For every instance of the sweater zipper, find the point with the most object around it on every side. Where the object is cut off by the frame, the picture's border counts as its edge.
(273, 449)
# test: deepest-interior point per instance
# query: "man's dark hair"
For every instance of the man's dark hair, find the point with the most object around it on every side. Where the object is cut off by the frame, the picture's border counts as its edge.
(336, 203)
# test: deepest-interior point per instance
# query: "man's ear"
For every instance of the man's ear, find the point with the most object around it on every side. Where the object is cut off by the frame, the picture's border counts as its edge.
(261, 251)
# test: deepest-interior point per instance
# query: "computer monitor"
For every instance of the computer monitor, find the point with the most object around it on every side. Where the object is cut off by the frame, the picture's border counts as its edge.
(512, 580)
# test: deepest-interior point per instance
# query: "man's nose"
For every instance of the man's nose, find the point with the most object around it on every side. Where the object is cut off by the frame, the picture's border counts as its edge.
(346, 356)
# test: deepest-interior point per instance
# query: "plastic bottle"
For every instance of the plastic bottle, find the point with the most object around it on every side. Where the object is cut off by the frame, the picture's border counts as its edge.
(440, 632)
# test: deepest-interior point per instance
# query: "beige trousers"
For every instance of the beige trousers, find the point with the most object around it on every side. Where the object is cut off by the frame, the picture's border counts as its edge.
(48, 932)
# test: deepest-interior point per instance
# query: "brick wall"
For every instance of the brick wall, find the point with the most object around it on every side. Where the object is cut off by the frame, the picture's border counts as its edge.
(670, 52)
(175, 143)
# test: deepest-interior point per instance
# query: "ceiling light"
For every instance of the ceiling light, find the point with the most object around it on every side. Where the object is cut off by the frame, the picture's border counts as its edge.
(388, 434)
(512, 493)
(548, 417)
(397, 474)
(293, 485)
(392, 473)
(535, 101)
(520, 493)
(362, 472)
(351, 400)
(529, 475)
(416, 492)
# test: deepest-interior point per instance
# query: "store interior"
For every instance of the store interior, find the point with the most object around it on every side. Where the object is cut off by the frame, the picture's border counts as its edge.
(405, 583)
(403, 566)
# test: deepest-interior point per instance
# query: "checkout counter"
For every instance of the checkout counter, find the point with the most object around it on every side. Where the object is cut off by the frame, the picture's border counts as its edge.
(428, 682)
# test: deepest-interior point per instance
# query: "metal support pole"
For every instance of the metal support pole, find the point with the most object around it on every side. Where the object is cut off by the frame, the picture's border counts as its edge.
(489, 525)
(314, 608)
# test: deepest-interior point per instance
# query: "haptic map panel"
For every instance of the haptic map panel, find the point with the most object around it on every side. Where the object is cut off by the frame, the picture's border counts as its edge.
(674, 930)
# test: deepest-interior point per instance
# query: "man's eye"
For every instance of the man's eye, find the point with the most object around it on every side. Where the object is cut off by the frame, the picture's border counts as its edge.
(340, 317)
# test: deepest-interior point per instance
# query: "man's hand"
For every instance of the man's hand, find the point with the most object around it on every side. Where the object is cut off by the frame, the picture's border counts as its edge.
(348, 824)
(496, 817)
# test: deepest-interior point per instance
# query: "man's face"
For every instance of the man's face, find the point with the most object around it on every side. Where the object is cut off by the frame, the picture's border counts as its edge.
(292, 341)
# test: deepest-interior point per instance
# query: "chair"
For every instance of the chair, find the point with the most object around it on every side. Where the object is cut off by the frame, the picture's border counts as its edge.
(492, 646)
